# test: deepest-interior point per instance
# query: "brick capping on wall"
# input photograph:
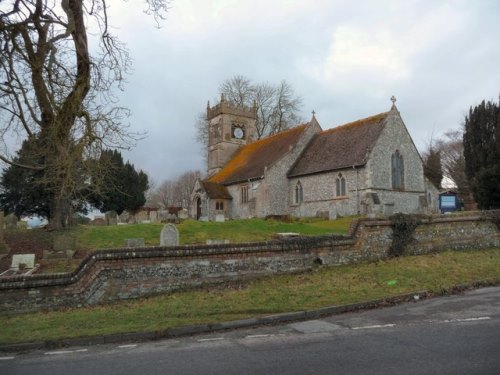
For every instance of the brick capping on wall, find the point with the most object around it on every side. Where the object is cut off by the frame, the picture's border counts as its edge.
(114, 274)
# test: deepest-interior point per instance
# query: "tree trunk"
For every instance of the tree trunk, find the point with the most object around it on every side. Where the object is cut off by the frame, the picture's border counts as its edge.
(60, 214)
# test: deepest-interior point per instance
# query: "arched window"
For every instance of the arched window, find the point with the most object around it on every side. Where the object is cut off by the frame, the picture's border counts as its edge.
(398, 171)
(299, 193)
(340, 186)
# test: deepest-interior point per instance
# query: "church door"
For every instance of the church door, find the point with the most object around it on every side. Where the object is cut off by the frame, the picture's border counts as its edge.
(198, 209)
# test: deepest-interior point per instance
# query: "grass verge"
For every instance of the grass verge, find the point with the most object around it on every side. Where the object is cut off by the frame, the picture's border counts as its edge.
(285, 293)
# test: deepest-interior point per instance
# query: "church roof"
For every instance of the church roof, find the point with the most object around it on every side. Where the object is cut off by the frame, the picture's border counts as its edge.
(251, 160)
(341, 147)
(215, 190)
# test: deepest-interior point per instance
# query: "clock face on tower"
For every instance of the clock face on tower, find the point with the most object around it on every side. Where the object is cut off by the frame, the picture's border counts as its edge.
(238, 132)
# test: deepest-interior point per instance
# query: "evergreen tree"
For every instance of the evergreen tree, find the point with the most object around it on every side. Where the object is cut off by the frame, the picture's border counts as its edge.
(482, 153)
(123, 187)
(21, 189)
(432, 166)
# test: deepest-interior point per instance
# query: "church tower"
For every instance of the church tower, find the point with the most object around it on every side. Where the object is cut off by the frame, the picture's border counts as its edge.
(229, 128)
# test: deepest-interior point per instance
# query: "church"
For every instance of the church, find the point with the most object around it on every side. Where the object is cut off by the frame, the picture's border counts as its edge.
(369, 167)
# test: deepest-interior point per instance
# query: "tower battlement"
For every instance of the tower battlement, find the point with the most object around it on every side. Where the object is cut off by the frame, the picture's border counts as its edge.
(227, 108)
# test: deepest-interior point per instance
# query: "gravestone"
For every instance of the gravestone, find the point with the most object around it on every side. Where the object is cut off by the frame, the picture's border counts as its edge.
(162, 215)
(111, 218)
(183, 214)
(22, 261)
(220, 218)
(98, 220)
(134, 242)
(169, 235)
(124, 217)
(11, 221)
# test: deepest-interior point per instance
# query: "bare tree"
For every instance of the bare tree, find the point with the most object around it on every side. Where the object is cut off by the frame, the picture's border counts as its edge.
(55, 92)
(277, 106)
(238, 90)
(176, 191)
(451, 149)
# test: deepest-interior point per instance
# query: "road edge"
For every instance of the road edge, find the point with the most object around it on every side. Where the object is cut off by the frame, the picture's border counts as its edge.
(183, 331)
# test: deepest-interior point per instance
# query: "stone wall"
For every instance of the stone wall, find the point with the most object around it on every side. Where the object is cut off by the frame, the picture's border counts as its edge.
(118, 274)
(319, 194)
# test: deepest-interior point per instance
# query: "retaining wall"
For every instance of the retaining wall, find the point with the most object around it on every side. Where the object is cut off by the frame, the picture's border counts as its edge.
(117, 274)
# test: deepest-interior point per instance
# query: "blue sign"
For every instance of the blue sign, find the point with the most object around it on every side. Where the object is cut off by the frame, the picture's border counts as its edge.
(448, 203)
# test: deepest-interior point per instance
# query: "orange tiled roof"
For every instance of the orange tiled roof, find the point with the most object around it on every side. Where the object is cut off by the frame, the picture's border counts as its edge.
(341, 147)
(215, 190)
(251, 160)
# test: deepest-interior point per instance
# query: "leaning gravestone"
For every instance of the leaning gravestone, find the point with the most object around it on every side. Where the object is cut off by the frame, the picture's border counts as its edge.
(11, 221)
(169, 235)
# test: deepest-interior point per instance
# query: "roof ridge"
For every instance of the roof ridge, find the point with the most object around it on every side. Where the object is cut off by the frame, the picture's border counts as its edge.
(357, 122)
(249, 158)
(303, 125)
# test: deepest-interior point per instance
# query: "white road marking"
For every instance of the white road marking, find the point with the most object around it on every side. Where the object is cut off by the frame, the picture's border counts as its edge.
(128, 346)
(59, 352)
(214, 339)
(467, 319)
(256, 336)
(6, 358)
(375, 326)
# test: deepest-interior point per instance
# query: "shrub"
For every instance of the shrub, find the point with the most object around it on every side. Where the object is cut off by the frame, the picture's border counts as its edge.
(403, 228)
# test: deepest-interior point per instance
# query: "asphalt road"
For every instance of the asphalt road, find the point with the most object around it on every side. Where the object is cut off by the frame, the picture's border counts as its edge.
(450, 335)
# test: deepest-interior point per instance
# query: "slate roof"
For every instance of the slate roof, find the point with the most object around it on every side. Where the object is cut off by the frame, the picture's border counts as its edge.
(341, 147)
(250, 161)
(215, 190)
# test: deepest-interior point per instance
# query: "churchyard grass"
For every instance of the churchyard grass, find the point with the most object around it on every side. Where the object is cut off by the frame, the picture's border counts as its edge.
(197, 232)
(271, 295)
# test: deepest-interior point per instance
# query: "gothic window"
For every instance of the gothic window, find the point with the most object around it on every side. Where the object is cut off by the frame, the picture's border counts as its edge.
(219, 205)
(340, 186)
(244, 194)
(299, 193)
(397, 167)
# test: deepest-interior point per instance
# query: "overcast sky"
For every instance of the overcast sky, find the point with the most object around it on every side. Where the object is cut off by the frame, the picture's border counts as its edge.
(345, 59)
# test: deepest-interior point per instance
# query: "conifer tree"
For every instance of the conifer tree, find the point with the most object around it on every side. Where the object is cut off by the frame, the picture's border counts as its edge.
(482, 153)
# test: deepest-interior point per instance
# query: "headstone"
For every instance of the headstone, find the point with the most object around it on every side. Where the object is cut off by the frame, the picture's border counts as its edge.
(285, 235)
(162, 215)
(22, 225)
(169, 235)
(123, 217)
(220, 218)
(98, 220)
(217, 242)
(134, 242)
(22, 261)
(183, 214)
(153, 216)
(111, 218)
(11, 222)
